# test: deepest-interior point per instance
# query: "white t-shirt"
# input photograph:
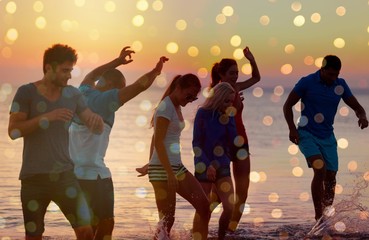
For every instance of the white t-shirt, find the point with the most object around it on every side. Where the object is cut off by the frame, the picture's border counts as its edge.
(167, 110)
(88, 151)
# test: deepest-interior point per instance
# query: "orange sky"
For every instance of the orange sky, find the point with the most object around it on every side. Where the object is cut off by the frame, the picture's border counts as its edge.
(288, 38)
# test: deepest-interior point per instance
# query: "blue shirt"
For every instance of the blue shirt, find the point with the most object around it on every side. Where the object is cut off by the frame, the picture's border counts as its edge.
(45, 150)
(213, 138)
(103, 103)
(319, 103)
(88, 150)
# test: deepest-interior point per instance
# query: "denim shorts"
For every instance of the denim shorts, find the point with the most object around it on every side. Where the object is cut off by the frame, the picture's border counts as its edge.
(311, 145)
(62, 188)
(100, 198)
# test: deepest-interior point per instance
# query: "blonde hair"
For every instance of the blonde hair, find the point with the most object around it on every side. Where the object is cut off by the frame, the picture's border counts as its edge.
(217, 95)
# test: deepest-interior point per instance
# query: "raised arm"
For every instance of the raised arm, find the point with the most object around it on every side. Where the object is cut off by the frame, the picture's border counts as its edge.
(141, 84)
(255, 74)
(20, 126)
(292, 99)
(359, 111)
(123, 58)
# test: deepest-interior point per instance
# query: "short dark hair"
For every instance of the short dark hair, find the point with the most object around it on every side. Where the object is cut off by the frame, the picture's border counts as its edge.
(58, 54)
(331, 61)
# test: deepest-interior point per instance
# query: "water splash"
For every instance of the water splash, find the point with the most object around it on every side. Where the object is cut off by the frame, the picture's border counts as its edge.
(161, 231)
(349, 218)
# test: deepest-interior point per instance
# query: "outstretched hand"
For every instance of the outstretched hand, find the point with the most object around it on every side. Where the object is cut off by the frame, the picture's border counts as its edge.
(159, 65)
(363, 123)
(125, 55)
(248, 54)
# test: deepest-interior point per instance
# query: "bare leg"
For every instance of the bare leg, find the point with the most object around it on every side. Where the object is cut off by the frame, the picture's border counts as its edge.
(241, 172)
(104, 230)
(191, 190)
(84, 232)
(329, 188)
(317, 183)
(224, 189)
(166, 204)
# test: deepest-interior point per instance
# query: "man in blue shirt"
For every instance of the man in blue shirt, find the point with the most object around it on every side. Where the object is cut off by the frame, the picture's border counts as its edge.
(320, 94)
(88, 150)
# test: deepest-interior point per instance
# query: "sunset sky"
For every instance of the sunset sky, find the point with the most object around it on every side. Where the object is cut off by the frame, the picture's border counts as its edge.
(288, 38)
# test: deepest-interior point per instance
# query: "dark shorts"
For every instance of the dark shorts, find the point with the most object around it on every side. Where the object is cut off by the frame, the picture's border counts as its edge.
(39, 190)
(223, 171)
(240, 153)
(100, 198)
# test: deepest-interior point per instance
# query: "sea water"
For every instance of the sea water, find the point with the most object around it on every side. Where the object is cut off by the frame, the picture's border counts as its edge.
(279, 205)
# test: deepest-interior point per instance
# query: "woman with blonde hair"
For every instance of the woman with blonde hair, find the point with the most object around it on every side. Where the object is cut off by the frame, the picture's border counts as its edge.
(214, 135)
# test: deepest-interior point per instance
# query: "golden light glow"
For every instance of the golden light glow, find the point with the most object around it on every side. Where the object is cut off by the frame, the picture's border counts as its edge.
(157, 5)
(246, 69)
(202, 73)
(293, 149)
(339, 43)
(315, 17)
(238, 54)
(273, 197)
(193, 51)
(342, 143)
(268, 121)
(137, 46)
(257, 92)
(299, 21)
(227, 11)
(289, 49)
(341, 11)
(294, 161)
(38, 6)
(278, 90)
(11, 7)
(297, 172)
(220, 19)
(296, 6)
(318, 62)
(309, 60)
(181, 25)
(235, 41)
(286, 69)
(254, 177)
(338, 189)
(142, 5)
(12, 35)
(264, 20)
(277, 213)
(215, 50)
(304, 196)
(138, 20)
(344, 111)
(352, 166)
(40, 22)
(172, 47)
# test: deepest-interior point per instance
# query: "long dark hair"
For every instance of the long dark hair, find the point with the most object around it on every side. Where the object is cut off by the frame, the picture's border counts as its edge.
(220, 68)
(183, 81)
